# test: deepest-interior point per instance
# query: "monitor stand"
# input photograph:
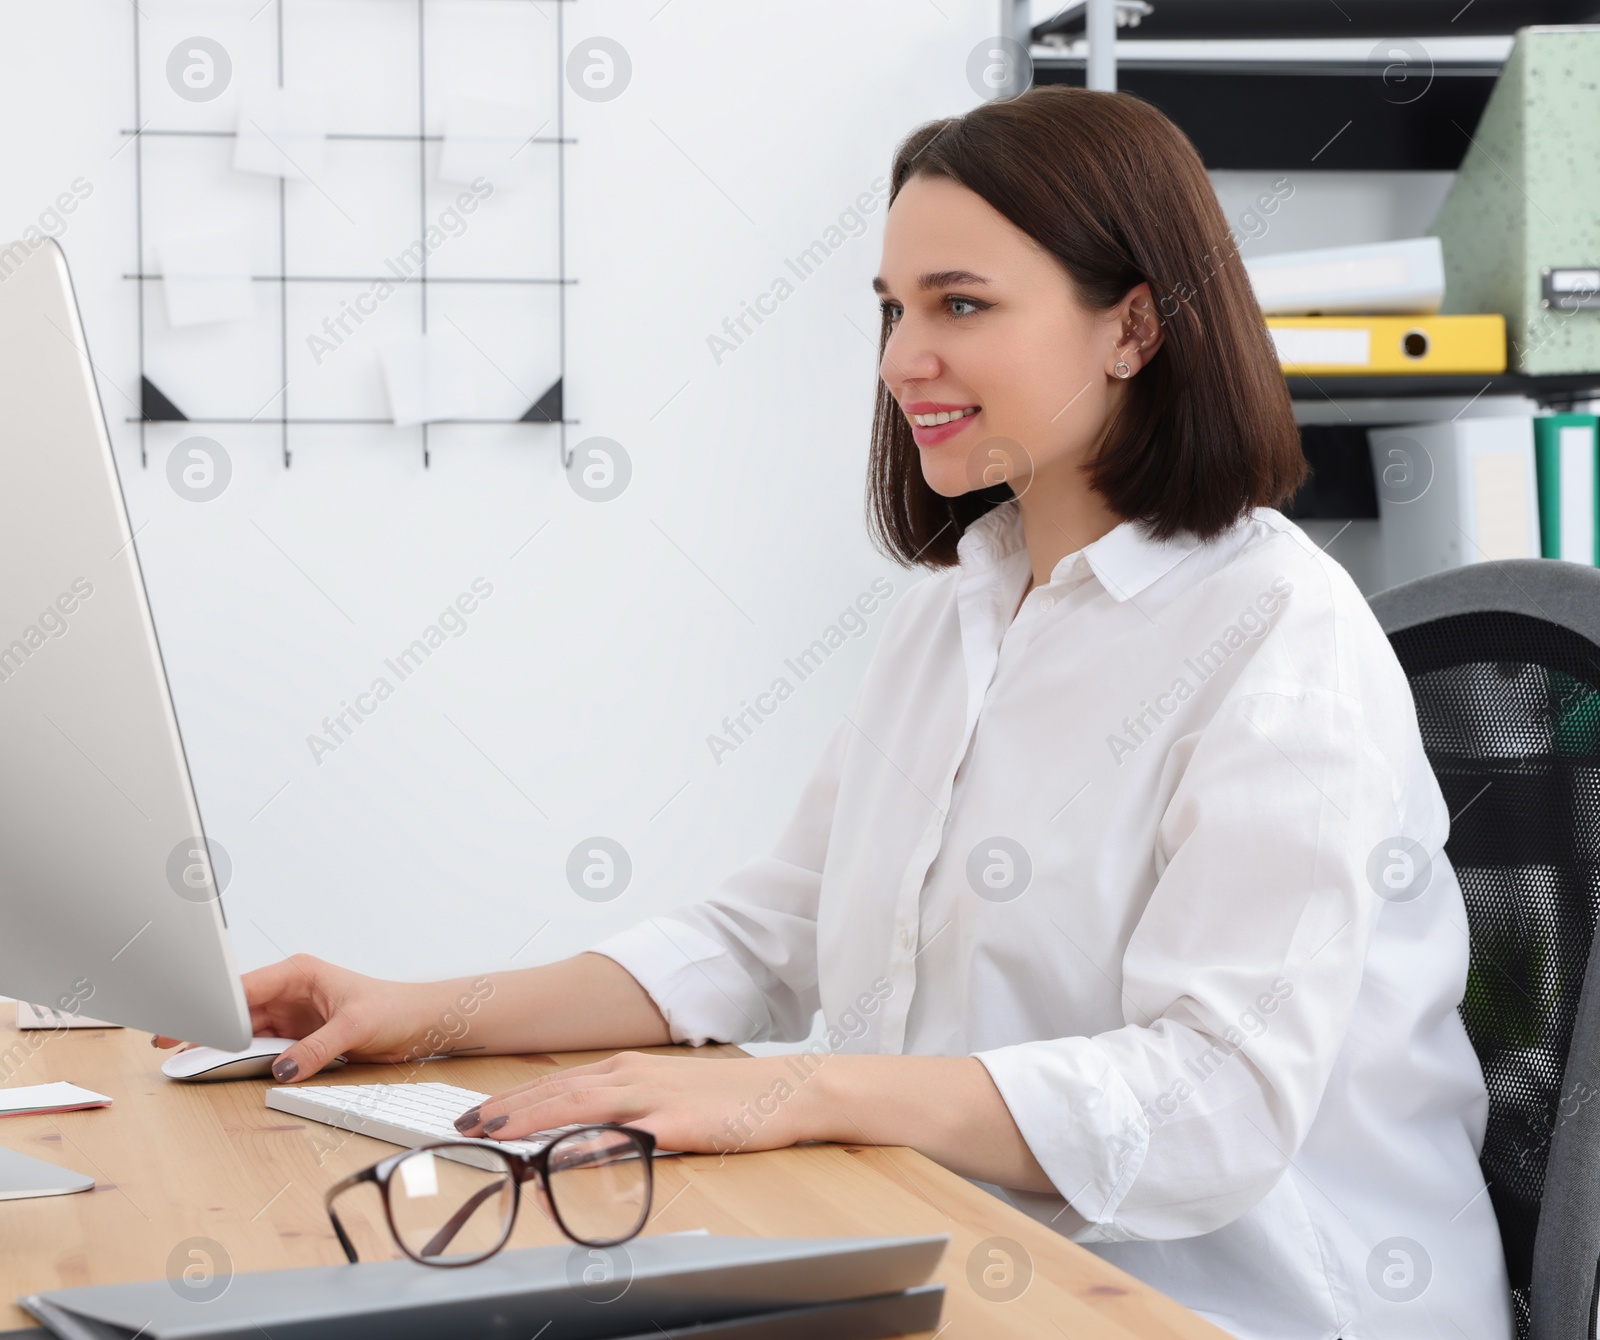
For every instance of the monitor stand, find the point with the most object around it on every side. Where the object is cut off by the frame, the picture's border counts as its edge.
(22, 1178)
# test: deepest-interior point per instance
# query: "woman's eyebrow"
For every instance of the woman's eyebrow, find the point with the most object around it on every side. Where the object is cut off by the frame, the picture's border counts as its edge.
(934, 279)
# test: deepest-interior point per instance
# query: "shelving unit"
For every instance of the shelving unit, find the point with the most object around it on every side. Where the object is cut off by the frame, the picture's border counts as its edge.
(1281, 85)
(1551, 392)
(1337, 446)
(1222, 19)
(1318, 104)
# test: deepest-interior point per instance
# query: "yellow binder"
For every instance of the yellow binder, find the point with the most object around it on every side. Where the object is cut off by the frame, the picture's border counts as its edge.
(1349, 345)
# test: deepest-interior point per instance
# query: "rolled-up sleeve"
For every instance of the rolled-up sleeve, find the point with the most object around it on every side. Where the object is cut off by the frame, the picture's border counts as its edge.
(741, 966)
(1238, 982)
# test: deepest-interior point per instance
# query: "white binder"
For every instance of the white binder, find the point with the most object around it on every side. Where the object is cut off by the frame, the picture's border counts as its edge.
(1367, 280)
(1454, 493)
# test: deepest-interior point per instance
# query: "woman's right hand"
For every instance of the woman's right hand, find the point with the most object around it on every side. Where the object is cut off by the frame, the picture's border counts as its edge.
(332, 1012)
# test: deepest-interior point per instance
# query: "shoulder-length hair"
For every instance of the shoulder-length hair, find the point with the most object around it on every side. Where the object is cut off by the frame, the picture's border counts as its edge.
(1119, 196)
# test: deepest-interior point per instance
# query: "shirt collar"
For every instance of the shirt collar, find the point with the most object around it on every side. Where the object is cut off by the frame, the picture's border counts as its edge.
(1125, 559)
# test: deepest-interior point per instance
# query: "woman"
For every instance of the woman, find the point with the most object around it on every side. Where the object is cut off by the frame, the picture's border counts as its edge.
(1095, 883)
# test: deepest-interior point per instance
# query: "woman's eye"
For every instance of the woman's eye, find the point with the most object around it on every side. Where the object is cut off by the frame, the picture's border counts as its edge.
(957, 307)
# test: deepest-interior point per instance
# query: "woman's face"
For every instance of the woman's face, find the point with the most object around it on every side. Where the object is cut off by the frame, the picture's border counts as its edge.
(987, 326)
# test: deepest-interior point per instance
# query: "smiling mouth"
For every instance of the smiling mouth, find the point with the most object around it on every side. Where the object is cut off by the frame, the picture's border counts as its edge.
(943, 417)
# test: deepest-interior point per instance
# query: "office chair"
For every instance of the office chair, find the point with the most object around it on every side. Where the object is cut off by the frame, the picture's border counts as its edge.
(1504, 663)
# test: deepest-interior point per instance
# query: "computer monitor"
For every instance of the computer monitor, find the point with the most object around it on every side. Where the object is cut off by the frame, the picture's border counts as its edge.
(109, 905)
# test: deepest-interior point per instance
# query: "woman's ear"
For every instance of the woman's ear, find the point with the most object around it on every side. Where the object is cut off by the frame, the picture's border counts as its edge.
(1139, 332)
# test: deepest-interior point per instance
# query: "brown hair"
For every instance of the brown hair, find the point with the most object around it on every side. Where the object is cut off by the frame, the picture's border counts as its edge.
(1119, 196)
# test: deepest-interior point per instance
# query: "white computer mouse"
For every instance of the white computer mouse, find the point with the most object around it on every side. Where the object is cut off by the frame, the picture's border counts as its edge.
(206, 1064)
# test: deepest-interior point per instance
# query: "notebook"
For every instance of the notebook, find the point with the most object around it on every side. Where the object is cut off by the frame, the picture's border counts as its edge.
(21, 1100)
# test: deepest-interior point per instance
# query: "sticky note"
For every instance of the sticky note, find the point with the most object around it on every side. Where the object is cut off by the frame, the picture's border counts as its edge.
(486, 139)
(281, 133)
(206, 278)
(420, 1174)
(429, 377)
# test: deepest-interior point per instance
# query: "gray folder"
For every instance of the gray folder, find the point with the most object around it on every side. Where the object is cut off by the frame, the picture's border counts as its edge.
(674, 1284)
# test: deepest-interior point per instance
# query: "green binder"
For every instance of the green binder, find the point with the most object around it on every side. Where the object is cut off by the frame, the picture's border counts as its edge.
(1566, 454)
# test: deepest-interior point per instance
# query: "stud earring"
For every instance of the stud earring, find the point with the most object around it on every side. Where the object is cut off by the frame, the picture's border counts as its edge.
(1122, 371)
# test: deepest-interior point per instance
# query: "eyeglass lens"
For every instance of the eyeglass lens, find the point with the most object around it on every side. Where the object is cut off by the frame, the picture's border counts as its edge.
(599, 1184)
(450, 1207)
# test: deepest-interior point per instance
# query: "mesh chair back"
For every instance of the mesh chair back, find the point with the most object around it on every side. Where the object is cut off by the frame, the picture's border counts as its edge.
(1504, 664)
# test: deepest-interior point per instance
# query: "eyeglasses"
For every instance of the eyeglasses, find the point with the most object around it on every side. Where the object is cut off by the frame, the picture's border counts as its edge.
(454, 1203)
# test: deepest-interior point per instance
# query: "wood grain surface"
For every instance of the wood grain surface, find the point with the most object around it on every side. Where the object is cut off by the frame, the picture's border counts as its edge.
(179, 1161)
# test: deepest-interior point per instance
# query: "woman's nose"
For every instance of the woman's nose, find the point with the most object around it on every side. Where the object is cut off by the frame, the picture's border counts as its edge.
(906, 359)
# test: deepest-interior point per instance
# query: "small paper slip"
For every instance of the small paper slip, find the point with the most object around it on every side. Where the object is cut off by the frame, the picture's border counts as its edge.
(429, 378)
(58, 1097)
(207, 278)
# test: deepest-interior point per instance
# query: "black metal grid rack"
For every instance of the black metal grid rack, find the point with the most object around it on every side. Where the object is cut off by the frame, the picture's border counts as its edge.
(157, 407)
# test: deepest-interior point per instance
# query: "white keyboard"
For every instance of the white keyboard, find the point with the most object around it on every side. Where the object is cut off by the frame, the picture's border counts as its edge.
(402, 1114)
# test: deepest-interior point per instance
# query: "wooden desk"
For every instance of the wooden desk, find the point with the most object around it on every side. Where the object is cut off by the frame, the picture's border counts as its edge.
(175, 1161)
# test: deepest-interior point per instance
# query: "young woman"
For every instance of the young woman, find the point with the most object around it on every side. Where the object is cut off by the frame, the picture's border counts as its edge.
(1095, 884)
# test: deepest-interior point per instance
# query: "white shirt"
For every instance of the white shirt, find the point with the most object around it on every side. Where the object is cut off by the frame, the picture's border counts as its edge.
(1119, 850)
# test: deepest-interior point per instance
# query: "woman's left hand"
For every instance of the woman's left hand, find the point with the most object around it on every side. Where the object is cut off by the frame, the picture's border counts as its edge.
(946, 1107)
(696, 1105)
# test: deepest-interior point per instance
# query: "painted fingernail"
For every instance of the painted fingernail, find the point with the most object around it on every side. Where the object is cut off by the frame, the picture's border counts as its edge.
(468, 1119)
(152, 1039)
(285, 1068)
(493, 1125)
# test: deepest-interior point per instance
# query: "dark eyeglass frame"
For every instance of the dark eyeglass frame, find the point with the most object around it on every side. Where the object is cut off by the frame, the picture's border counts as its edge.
(520, 1168)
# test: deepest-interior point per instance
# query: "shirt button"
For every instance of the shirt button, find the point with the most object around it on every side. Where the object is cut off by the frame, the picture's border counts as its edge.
(1047, 602)
(905, 939)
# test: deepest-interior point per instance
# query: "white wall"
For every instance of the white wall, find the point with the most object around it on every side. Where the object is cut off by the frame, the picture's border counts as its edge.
(620, 637)
(580, 698)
